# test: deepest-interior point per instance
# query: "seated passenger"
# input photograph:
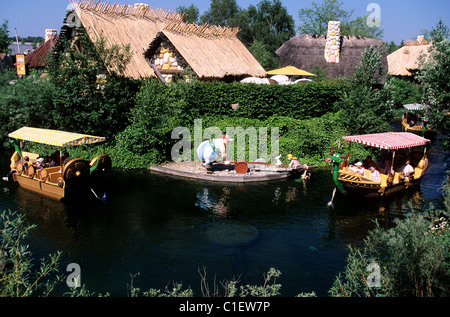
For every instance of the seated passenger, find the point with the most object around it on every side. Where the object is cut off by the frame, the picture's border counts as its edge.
(368, 162)
(40, 163)
(374, 174)
(361, 170)
(26, 161)
(407, 169)
(387, 167)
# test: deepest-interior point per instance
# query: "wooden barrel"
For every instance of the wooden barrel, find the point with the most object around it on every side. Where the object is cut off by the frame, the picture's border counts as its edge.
(241, 167)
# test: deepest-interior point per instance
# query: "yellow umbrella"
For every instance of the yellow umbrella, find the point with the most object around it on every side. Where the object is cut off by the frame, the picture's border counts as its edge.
(289, 71)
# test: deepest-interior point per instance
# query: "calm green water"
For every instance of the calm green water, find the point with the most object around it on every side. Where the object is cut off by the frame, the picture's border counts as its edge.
(166, 228)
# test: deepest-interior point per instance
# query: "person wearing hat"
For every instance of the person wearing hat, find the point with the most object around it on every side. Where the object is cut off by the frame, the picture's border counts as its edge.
(40, 163)
(293, 161)
(361, 170)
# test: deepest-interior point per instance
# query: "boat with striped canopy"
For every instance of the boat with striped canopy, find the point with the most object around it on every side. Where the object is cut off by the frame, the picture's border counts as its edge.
(398, 148)
(57, 178)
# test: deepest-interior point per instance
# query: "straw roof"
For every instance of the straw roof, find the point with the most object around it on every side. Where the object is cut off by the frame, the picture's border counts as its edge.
(210, 51)
(124, 25)
(405, 60)
(38, 58)
(307, 51)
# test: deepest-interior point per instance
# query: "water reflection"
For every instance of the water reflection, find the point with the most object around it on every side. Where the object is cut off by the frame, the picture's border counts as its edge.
(165, 228)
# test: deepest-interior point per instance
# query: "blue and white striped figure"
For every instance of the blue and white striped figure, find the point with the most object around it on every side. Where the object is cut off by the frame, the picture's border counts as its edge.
(210, 151)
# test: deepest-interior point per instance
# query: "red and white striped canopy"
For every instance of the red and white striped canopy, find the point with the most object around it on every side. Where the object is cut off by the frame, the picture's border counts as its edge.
(389, 140)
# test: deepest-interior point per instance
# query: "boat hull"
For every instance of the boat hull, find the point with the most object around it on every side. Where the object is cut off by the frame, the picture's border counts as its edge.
(377, 191)
(47, 189)
(76, 179)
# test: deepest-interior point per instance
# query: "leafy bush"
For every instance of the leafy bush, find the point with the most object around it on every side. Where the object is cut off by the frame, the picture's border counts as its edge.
(18, 277)
(412, 257)
(26, 102)
(404, 92)
(367, 106)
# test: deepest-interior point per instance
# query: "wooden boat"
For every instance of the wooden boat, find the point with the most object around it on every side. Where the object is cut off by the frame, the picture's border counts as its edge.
(412, 120)
(349, 182)
(67, 179)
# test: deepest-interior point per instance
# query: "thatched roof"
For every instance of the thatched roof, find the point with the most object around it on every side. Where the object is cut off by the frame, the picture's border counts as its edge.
(405, 60)
(125, 25)
(38, 58)
(307, 51)
(210, 51)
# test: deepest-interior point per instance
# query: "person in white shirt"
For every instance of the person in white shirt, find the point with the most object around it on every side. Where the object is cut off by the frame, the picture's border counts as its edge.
(407, 169)
(361, 170)
(374, 174)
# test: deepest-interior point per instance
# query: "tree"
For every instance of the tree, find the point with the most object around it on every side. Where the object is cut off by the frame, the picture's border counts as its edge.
(433, 75)
(367, 107)
(220, 12)
(191, 13)
(315, 20)
(86, 96)
(271, 24)
(441, 32)
(391, 47)
(4, 38)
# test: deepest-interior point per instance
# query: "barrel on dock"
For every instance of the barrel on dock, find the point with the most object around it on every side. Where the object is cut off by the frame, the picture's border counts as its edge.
(241, 167)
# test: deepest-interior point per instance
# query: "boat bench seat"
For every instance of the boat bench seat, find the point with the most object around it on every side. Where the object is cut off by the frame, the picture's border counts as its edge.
(53, 177)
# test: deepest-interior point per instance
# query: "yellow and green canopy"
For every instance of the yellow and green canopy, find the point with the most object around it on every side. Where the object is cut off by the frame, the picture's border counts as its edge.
(54, 137)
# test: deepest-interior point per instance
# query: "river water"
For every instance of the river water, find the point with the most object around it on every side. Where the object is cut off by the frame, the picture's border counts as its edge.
(162, 229)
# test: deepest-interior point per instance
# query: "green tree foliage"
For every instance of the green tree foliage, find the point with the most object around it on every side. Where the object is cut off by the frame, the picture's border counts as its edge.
(4, 37)
(271, 24)
(220, 12)
(18, 276)
(24, 102)
(404, 92)
(314, 20)
(367, 106)
(86, 96)
(433, 76)
(191, 13)
(266, 25)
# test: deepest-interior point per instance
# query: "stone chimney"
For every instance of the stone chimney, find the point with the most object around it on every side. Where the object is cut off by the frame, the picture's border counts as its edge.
(333, 42)
(140, 6)
(49, 34)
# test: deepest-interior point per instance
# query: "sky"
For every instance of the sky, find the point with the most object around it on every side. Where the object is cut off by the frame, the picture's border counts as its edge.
(400, 19)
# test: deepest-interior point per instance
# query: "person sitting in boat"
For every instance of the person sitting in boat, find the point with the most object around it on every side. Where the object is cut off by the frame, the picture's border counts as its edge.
(40, 163)
(26, 161)
(412, 124)
(361, 170)
(352, 167)
(374, 174)
(293, 161)
(407, 169)
(387, 167)
(368, 162)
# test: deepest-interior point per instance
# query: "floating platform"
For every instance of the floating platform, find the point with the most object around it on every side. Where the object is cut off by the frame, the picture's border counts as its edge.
(220, 172)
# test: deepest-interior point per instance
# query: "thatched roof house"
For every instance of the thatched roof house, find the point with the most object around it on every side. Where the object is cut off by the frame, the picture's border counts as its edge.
(405, 60)
(38, 58)
(307, 51)
(212, 52)
(124, 25)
